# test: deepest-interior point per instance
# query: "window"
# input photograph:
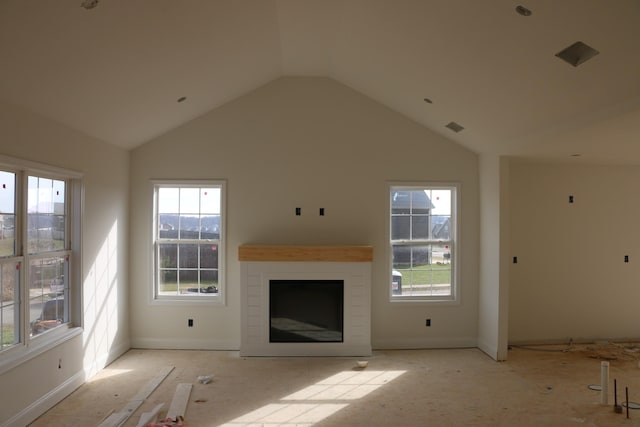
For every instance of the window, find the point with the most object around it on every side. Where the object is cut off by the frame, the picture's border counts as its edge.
(422, 242)
(188, 241)
(37, 213)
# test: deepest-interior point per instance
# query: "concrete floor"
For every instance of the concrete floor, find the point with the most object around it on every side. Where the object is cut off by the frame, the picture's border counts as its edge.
(544, 386)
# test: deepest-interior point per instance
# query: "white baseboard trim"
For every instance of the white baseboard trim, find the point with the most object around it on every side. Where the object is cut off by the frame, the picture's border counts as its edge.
(46, 402)
(184, 344)
(424, 343)
(489, 350)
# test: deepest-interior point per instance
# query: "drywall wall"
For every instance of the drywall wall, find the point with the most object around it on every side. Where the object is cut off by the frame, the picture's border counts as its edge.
(33, 386)
(309, 143)
(571, 281)
(493, 298)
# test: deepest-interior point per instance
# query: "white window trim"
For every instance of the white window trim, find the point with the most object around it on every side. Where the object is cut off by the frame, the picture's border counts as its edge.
(177, 300)
(29, 348)
(455, 297)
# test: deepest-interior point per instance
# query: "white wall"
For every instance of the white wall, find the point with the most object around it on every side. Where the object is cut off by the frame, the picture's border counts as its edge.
(309, 143)
(32, 387)
(493, 296)
(571, 280)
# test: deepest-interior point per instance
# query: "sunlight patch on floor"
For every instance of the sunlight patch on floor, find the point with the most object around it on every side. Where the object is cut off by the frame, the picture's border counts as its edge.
(344, 386)
(108, 373)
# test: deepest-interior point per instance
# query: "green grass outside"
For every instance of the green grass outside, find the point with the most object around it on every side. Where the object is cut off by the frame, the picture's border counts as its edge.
(430, 274)
(7, 336)
(172, 287)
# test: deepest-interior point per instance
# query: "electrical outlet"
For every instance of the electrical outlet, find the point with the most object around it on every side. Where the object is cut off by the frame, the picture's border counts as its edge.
(427, 323)
(190, 323)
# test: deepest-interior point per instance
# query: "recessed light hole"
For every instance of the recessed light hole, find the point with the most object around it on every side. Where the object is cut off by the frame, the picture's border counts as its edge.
(523, 10)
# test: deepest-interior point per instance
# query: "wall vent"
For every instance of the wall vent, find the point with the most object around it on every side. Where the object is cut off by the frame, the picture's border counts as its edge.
(454, 127)
(577, 53)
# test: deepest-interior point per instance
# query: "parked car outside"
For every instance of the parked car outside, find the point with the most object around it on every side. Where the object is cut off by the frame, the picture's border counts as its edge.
(57, 284)
(51, 316)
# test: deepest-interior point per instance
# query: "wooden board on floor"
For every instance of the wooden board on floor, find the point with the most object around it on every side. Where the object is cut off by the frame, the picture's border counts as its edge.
(118, 418)
(180, 400)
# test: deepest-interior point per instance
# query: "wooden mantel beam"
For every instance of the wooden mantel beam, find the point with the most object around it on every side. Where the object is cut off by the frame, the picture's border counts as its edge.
(281, 253)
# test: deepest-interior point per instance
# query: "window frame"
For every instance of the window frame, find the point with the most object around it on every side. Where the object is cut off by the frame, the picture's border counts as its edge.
(197, 299)
(29, 346)
(453, 242)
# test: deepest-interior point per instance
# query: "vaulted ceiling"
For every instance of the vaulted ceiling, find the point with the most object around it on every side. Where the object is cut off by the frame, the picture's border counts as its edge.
(117, 70)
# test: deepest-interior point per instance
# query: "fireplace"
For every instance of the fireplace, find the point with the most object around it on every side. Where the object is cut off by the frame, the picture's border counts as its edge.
(322, 301)
(306, 310)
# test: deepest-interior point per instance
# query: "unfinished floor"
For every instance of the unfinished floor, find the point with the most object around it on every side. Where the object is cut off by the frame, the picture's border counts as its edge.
(540, 386)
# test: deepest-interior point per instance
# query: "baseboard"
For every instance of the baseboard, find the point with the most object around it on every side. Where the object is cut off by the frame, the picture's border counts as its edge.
(46, 402)
(569, 341)
(489, 350)
(430, 343)
(184, 344)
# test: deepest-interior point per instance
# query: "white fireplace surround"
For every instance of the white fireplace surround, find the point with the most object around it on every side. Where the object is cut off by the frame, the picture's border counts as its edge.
(256, 276)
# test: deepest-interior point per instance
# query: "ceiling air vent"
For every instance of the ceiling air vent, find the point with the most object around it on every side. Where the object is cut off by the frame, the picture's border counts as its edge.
(577, 53)
(454, 127)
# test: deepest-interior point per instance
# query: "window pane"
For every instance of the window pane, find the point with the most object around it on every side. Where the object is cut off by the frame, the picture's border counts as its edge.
(209, 281)
(188, 280)
(168, 200)
(7, 235)
(46, 221)
(400, 202)
(168, 255)
(58, 197)
(7, 213)
(210, 227)
(208, 256)
(441, 227)
(441, 200)
(9, 300)
(48, 293)
(400, 227)
(168, 282)
(168, 226)
(210, 201)
(188, 256)
(420, 227)
(7, 192)
(189, 227)
(189, 200)
(422, 270)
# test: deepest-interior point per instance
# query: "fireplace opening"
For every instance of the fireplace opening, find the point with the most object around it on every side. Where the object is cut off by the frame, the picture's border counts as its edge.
(306, 311)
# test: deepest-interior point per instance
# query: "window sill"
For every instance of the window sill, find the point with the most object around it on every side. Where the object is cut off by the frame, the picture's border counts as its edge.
(417, 300)
(184, 301)
(15, 357)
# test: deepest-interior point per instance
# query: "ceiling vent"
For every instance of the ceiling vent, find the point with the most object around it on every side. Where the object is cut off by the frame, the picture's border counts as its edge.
(454, 127)
(577, 53)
